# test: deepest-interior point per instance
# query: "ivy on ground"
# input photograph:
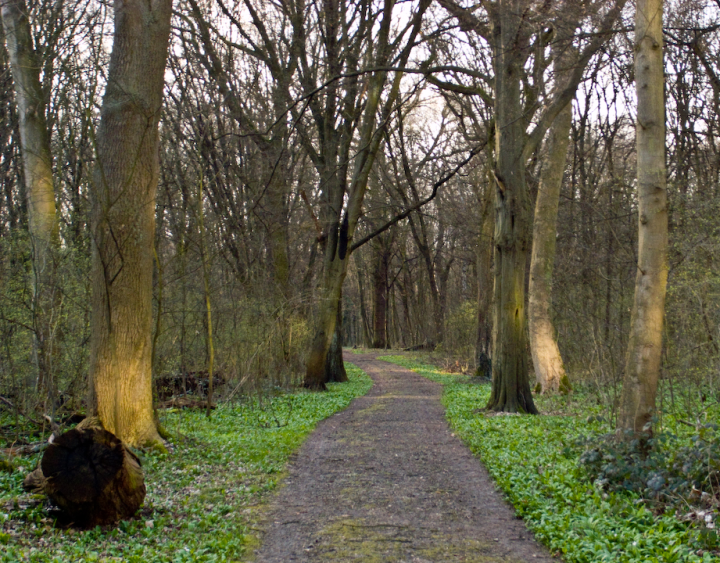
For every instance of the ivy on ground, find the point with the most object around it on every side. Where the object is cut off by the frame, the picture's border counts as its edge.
(205, 497)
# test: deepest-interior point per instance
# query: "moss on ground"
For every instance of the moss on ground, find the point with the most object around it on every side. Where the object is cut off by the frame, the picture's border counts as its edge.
(370, 542)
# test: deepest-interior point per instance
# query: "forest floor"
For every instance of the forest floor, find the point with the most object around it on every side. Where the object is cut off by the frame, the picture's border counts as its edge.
(386, 480)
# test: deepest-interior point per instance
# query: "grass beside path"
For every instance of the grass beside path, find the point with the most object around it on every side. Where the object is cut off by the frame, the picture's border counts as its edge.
(534, 460)
(205, 498)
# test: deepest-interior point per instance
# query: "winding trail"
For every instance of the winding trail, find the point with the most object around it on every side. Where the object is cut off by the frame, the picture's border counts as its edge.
(385, 481)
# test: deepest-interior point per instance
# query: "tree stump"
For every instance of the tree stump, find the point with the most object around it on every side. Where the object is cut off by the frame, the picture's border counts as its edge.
(91, 476)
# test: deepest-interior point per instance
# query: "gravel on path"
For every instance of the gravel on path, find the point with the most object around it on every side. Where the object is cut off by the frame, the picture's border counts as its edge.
(386, 481)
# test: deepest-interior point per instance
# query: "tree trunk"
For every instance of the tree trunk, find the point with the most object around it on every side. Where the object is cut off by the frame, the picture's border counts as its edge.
(316, 374)
(483, 361)
(206, 267)
(360, 269)
(510, 386)
(549, 369)
(642, 364)
(334, 365)
(37, 167)
(343, 188)
(278, 238)
(380, 285)
(123, 222)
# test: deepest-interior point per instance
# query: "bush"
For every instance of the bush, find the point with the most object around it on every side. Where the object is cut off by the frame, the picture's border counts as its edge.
(664, 468)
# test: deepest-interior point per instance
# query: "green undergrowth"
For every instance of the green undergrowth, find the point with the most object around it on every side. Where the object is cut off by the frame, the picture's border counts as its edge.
(205, 497)
(535, 460)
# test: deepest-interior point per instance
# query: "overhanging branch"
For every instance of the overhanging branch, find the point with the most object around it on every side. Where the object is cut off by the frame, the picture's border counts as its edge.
(436, 186)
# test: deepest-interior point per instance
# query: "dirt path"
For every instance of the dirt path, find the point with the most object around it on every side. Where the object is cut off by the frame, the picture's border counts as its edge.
(385, 481)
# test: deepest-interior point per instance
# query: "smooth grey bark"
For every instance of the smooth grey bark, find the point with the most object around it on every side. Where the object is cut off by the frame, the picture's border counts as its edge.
(38, 176)
(642, 364)
(547, 360)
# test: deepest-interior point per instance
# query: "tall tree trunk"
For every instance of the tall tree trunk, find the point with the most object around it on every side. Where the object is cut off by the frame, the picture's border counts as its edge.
(380, 294)
(278, 236)
(334, 365)
(360, 269)
(123, 222)
(316, 375)
(642, 364)
(549, 369)
(206, 267)
(339, 181)
(37, 166)
(483, 361)
(511, 387)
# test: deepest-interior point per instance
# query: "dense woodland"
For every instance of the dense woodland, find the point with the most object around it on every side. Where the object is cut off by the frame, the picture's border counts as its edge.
(204, 201)
(332, 173)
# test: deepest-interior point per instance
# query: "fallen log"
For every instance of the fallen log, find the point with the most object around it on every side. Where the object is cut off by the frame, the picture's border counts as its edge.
(90, 475)
(194, 382)
(185, 403)
(427, 345)
(27, 449)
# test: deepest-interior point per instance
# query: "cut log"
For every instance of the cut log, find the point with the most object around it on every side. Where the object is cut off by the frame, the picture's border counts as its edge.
(91, 476)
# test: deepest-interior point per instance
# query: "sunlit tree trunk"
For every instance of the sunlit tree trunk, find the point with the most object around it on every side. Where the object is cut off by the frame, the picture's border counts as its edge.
(37, 166)
(511, 387)
(547, 361)
(123, 222)
(642, 364)
(512, 23)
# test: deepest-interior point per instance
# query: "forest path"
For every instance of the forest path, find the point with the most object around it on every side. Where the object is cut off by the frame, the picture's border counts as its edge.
(386, 481)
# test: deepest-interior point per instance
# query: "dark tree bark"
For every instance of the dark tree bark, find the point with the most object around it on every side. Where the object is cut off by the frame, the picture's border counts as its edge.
(483, 350)
(510, 35)
(91, 476)
(380, 295)
(335, 366)
(511, 385)
(339, 181)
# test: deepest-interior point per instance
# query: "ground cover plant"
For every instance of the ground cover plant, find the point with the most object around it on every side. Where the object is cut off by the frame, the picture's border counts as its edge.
(205, 496)
(536, 461)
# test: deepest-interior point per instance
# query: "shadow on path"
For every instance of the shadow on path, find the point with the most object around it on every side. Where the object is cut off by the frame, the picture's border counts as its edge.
(385, 481)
